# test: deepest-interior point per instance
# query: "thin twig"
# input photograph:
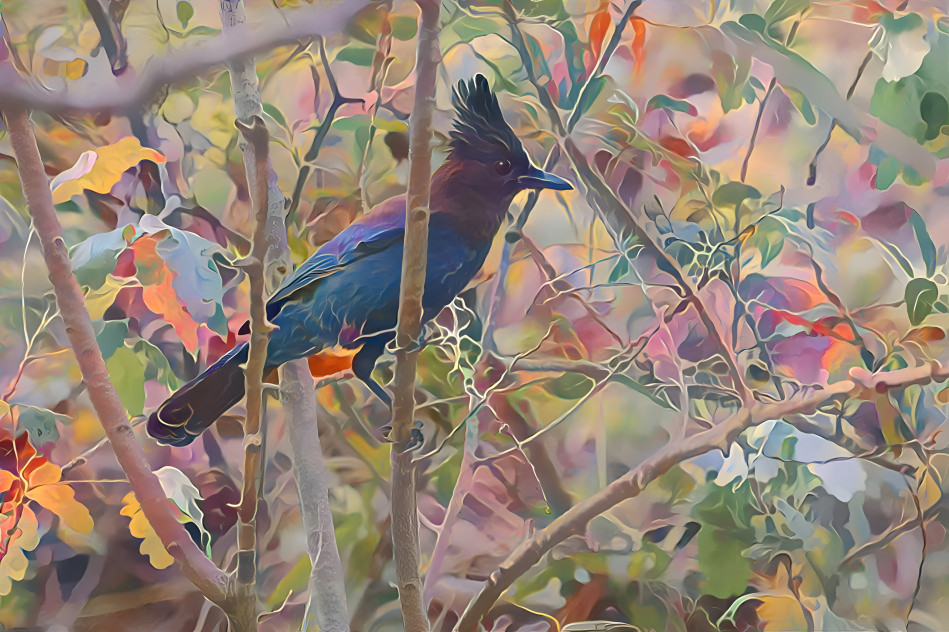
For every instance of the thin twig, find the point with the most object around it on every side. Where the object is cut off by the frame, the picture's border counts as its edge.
(405, 534)
(574, 521)
(754, 132)
(131, 90)
(812, 168)
(112, 415)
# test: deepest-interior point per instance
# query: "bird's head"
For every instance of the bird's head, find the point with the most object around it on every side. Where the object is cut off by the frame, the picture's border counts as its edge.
(492, 154)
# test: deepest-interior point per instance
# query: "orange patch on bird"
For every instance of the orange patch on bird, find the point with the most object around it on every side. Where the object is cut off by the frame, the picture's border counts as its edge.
(331, 361)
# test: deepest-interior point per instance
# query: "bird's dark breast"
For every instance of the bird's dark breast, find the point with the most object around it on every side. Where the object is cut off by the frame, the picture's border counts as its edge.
(362, 299)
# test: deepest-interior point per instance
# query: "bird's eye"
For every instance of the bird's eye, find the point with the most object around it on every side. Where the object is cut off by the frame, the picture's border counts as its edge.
(502, 167)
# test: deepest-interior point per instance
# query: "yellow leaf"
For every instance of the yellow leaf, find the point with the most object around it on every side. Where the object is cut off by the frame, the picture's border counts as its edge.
(61, 500)
(781, 612)
(99, 170)
(98, 301)
(76, 68)
(140, 528)
(4, 408)
(25, 537)
(46, 474)
(930, 486)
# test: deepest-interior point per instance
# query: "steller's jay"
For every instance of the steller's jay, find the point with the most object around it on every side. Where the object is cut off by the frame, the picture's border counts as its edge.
(347, 294)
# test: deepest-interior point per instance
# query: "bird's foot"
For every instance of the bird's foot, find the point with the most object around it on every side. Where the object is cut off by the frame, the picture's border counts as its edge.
(416, 438)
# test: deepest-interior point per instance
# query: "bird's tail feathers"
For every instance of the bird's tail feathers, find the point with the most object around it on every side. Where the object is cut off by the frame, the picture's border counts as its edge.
(199, 403)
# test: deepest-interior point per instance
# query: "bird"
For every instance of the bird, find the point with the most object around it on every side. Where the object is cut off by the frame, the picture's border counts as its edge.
(346, 295)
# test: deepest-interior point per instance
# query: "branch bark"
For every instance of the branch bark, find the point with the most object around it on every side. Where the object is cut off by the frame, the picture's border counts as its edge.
(404, 502)
(194, 565)
(326, 605)
(862, 385)
(131, 90)
(244, 615)
(326, 602)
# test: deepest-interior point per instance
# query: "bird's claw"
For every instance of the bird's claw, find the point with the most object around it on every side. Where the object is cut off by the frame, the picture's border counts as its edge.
(416, 438)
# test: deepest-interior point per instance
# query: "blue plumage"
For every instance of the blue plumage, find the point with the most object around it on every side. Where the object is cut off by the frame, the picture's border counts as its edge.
(347, 293)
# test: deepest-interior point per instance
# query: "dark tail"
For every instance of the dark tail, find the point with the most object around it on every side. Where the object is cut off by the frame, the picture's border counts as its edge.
(199, 403)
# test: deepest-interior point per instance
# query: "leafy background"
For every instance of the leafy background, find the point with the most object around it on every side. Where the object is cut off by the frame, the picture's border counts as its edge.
(789, 157)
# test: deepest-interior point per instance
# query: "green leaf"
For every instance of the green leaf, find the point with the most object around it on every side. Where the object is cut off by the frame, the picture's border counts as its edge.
(404, 27)
(802, 104)
(734, 194)
(723, 563)
(110, 335)
(94, 258)
(156, 367)
(934, 110)
(920, 296)
(661, 101)
(926, 246)
(273, 112)
(781, 10)
(626, 380)
(899, 103)
(40, 423)
(887, 171)
(768, 238)
(753, 21)
(127, 372)
(569, 386)
(619, 271)
(185, 12)
(359, 55)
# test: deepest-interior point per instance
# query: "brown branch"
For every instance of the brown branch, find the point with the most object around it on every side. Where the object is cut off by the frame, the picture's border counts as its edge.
(326, 602)
(194, 565)
(812, 168)
(244, 615)
(130, 91)
(754, 132)
(404, 511)
(574, 521)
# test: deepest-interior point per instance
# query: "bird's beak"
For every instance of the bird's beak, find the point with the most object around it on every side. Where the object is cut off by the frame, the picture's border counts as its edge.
(536, 178)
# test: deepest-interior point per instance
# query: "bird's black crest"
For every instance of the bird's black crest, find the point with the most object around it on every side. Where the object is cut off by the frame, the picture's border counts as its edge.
(480, 130)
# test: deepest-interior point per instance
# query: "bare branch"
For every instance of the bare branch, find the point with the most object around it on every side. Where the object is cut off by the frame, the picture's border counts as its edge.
(574, 521)
(326, 603)
(326, 606)
(112, 415)
(131, 90)
(244, 615)
(415, 253)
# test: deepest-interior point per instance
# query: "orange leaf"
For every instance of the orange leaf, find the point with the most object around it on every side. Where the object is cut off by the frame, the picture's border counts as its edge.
(639, 39)
(61, 500)
(99, 170)
(159, 294)
(601, 23)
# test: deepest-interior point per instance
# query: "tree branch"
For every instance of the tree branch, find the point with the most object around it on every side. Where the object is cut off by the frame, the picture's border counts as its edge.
(415, 253)
(245, 610)
(863, 385)
(112, 415)
(326, 602)
(131, 90)
(326, 605)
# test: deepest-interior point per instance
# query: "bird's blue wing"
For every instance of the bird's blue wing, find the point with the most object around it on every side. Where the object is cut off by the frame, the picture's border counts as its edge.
(381, 229)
